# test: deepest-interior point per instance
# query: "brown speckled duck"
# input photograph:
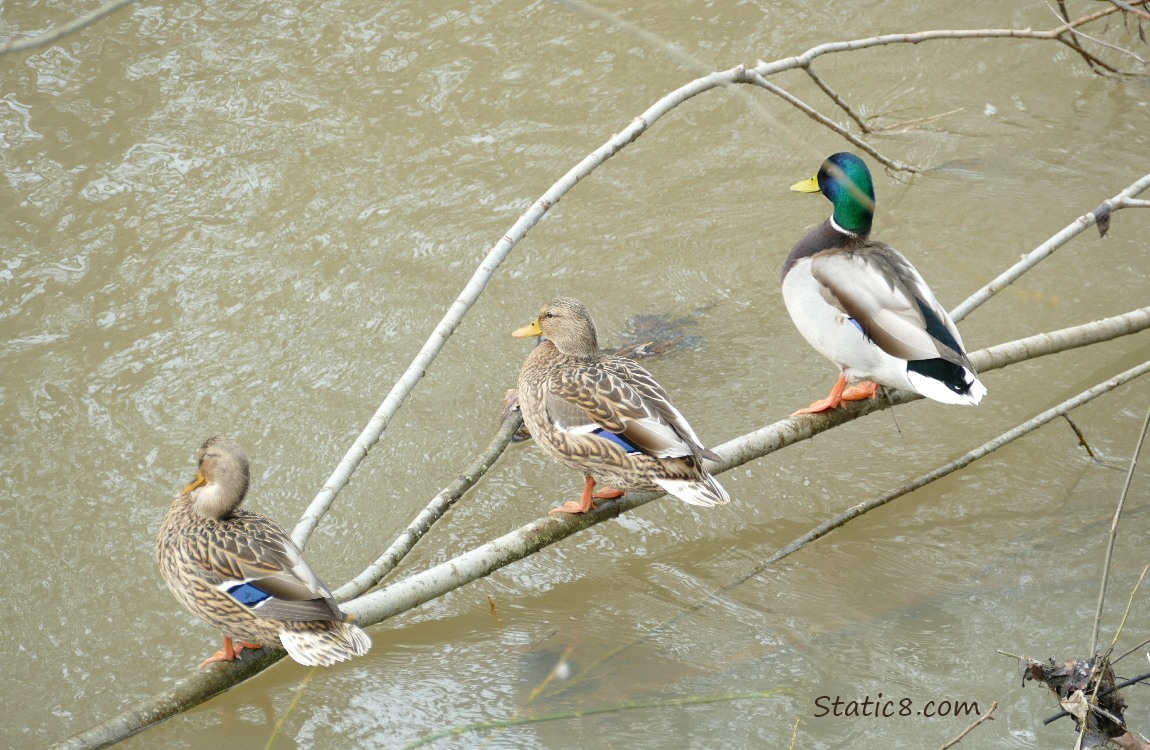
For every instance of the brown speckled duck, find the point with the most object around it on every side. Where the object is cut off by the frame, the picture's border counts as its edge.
(605, 416)
(241, 573)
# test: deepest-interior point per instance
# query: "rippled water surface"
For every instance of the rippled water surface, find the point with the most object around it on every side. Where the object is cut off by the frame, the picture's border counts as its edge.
(248, 219)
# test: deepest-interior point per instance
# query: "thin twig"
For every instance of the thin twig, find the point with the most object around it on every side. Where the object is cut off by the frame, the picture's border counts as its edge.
(1081, 438)
(1124, 654)
(754, 77)
(58, 33)
(1129, 604)
(1094, 63)
(834, 97)
(903, 125)
(1114, 531)
(1078, 47)
(435, 510)
(988, 716)
(1131, 9)
(1076, 227)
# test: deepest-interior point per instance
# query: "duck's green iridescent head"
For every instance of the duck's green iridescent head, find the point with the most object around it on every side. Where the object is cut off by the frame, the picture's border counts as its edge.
(845, 180)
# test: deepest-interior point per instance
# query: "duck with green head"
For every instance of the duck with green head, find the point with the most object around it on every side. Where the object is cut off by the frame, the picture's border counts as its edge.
(241, 573)
(863, 306)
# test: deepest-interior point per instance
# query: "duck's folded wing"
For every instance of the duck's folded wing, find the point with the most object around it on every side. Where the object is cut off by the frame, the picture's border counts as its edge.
(656, 399)
(879, 288)
(264, 571)
(595, 398)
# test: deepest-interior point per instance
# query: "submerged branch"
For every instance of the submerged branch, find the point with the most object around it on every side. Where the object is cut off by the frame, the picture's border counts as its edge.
(483, 726)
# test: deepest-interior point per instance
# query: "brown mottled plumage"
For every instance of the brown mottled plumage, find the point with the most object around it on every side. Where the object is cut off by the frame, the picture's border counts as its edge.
(241, 573)
(605, 416)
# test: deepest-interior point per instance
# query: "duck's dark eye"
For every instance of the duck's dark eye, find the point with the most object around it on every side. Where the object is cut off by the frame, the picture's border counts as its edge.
(549, 315)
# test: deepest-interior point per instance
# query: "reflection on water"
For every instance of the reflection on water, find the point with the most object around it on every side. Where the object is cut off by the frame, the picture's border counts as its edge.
(247, 221)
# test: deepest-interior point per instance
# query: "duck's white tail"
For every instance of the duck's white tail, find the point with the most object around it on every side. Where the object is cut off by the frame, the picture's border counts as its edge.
(324, 643)
(706, 491)
(945, 393)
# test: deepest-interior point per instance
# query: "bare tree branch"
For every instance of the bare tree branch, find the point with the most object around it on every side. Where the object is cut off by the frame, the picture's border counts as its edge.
(757, 79)
(1075, 228)
(1091, 59)
(439, 505)
(1131, 9)
(834, 97)
(988, 716)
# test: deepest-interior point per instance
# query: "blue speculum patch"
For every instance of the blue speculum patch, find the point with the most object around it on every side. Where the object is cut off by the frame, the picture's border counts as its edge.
(247, 594)
(617, 439)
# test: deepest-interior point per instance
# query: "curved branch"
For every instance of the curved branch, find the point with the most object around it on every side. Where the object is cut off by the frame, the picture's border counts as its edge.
(54, 35)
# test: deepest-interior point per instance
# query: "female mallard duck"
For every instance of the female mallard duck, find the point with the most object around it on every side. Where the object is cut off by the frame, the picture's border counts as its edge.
(241, 573)
(863, 306)
(605, 416)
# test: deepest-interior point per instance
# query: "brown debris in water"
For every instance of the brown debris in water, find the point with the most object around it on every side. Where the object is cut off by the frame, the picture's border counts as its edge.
(1075, 683)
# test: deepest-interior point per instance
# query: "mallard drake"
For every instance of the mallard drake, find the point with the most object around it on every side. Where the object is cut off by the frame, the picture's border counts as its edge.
(241, 573)
(863, 306)
(605, 416)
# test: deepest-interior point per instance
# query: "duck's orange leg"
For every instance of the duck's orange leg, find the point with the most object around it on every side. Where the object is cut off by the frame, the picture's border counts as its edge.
(585, 504)
(832, 401)
(229, 652)
(861, 391)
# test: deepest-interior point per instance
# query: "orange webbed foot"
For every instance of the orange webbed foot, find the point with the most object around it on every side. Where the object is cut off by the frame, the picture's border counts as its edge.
(861, 391)
(818, 407)
(585, 503)
(229, 652)
(608, 493)
(832, 401)
(573, 507)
